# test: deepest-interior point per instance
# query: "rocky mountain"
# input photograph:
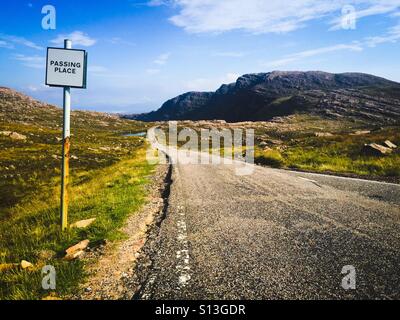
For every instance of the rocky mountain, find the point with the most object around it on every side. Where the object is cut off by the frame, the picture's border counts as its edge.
(262, 96)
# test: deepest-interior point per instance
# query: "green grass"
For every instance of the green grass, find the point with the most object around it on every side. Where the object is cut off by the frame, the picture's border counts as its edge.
(292, 143)
(271, 158)
(341, 153)
(327, 159)
(109, 195)
(107, 182)
(33, 165)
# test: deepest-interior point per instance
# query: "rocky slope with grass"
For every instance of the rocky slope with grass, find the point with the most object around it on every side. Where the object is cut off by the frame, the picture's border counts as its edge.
(108, 178)
(263, 96)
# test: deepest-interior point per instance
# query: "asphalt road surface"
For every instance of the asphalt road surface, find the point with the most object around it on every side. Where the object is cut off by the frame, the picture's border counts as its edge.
(275, 234)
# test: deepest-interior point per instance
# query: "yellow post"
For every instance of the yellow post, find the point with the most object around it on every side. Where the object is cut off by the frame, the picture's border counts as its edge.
(65, 151)
(64, 184)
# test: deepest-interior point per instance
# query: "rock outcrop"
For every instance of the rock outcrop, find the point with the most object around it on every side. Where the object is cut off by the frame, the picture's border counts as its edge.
(263, 96)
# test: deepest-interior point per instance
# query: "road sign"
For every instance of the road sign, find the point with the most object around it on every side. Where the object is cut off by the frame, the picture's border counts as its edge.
(66, 68)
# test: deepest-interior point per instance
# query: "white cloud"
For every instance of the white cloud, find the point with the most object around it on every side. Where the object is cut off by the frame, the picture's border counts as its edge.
(14, 40)
(153, 71)
(229, 54)
(33, 88)
(278, 63)
(261, 16)
(120, 41)
(5, 44)
(338, 47)
(36, 62)
(77, 38)
(97, 70)
(157, 3)
(37, 88)
(160, 61)
(106, 74)
(310, 53)
(380, 8)
(210, 84)
(25, 42)
(162, 58)
(393, 35)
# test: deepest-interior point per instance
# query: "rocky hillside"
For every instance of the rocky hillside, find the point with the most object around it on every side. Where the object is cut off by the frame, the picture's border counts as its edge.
(263, 96)
(30, 144)
(19, 109)
(108, 174)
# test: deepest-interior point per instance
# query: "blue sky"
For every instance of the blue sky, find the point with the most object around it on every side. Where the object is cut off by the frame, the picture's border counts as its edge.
(142, 53)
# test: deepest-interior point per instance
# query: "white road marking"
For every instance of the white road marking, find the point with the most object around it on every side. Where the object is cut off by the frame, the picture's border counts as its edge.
(182, 255)
(312, 181)
(307, 179)
(343, 178)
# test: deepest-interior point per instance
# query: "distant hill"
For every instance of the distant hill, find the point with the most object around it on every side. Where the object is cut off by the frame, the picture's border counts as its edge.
(262, 96)
(30, 145)
(18, 108)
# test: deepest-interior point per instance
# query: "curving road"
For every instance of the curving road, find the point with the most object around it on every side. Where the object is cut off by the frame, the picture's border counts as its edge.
(274, 234)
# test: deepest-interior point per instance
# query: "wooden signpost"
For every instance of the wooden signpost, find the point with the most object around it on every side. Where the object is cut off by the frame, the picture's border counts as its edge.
(66, 68)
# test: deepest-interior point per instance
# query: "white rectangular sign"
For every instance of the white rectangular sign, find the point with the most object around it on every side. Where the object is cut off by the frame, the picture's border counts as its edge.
(66, 68)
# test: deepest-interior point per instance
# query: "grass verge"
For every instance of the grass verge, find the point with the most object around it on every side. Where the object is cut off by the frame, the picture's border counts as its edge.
(340, 153)
(31, 232)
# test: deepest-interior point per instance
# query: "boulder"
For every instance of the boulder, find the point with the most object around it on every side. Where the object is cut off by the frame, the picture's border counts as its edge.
(74, 255)
(26, 265)
(276, 142)
(323, 134)
(83, 223)
(361, 133)
(390, 144)
(374, 149)
(17, 136)
(77, 250)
